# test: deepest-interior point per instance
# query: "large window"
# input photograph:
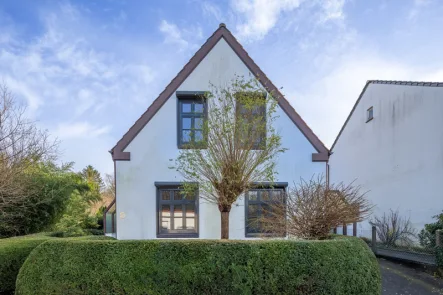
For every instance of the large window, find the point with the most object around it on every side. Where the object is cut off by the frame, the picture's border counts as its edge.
(177, 212)
(258, 202)
(251, 124)
(109, 219)
(191, 115)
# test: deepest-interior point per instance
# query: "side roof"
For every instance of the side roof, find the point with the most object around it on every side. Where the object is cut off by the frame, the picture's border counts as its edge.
(390, 82)
(117, 151)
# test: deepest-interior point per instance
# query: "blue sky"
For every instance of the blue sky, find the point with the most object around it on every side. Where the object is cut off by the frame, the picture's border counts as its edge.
(89, 69)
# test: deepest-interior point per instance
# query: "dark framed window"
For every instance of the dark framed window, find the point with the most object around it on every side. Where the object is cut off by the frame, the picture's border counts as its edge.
(248, 128)
(177, 212)
(109, 219)
(191, 113)
(258, 201)
(369, 114)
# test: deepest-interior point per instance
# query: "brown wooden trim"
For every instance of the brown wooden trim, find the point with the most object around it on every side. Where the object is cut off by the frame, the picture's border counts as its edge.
(118, 153)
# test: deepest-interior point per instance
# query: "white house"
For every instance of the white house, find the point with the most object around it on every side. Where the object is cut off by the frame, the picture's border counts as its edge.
(392, 145)
(146, 205)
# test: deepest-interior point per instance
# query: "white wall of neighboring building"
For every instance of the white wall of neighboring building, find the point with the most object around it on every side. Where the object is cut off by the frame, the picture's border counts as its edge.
(398, 156)
(154, 150)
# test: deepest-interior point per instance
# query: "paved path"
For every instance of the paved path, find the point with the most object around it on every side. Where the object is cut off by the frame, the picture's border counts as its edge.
(398, 279)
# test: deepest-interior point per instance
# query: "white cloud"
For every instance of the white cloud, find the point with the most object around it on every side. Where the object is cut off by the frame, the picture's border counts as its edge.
(212, 10)
(259, 17)
(172, 34)
(79, 130)
(332, 10)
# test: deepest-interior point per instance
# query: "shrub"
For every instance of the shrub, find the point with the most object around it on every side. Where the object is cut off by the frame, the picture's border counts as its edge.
(427, 235)
(394, 230)
(336, 266)
(312, 208)
(13, 252)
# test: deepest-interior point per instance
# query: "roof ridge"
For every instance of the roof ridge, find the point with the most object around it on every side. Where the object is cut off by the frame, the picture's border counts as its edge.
(410, 83)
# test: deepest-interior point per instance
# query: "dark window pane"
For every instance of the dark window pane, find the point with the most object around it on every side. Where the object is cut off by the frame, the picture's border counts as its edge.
(186, 136)
(190, 223)
(190, 210)
(253, 195)
(265, 196)
(198, 135)
(198, 123)
(178, 195)
(186, 107)
(198, 108)
(166, 195)
(189, 197)
(186, 123)
(253, 210)
(277, 195)
(178, 211)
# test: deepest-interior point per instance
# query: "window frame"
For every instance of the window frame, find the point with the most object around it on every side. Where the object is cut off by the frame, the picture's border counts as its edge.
(159, 202)
(265, 186)
(190, 97)
(259, 145)
(371, 112)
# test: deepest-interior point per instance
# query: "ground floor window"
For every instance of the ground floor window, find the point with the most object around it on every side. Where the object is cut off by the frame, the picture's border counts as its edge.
(109, 219)
(177, 212)
(258, 201)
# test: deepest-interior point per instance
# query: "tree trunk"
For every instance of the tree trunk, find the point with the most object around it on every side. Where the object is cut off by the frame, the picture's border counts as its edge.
(224, 224)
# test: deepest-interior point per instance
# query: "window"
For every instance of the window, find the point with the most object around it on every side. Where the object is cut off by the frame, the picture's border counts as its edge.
(251, 125)
(191, 115)
(370, 114)
(177, 213)
(257, 202)
(109, 219)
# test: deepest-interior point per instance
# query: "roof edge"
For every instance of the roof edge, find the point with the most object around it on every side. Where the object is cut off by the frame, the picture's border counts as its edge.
(117, 151)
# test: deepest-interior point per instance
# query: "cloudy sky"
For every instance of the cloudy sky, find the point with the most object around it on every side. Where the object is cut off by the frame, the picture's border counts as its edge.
(88, 69)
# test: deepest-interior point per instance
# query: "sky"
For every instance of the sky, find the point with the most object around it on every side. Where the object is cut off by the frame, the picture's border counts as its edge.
(88, 69)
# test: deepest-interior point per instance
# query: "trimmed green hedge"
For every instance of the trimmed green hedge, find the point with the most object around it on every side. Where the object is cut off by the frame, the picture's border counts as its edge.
(14, 251)
(338, 266)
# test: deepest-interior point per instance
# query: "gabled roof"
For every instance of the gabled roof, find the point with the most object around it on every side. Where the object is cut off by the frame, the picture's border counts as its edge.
(222, 32)
(390, 82)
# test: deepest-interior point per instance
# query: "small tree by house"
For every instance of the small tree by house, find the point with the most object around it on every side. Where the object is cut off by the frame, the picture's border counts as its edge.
(313, 208)
(394, 229)
(235, 147)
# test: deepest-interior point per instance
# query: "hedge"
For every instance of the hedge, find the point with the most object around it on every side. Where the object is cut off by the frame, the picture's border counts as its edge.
(338, 266)
(13, 252)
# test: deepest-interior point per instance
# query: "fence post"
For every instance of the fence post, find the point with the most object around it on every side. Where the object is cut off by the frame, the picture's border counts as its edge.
(438, 238)
(374, 239)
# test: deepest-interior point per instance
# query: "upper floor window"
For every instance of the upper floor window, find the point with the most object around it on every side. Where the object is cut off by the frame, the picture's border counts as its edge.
(259, 202)
(177, 212)
(370, 114)
(251, 120)
(192, 111)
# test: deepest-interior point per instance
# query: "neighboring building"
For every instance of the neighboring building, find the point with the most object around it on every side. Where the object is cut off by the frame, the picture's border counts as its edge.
(392, 145)
(146, 204)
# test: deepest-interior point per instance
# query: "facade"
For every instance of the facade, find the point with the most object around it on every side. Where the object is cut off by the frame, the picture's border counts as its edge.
(392, 145)
(148, 205)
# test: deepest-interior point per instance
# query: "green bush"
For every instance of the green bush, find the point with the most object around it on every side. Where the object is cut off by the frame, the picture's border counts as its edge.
(13, 252)
(337, 266)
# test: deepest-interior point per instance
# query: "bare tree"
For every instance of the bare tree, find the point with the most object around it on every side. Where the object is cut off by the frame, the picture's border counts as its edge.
(22, 144)
(393, 230)
(312, 208)
(234, 147)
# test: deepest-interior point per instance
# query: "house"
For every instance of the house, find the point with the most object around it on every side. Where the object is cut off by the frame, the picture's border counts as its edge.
(392, 145)
(147, 203)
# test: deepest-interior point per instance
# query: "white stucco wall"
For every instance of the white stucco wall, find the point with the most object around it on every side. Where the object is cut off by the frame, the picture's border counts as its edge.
(155, 149)
(398, 156)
